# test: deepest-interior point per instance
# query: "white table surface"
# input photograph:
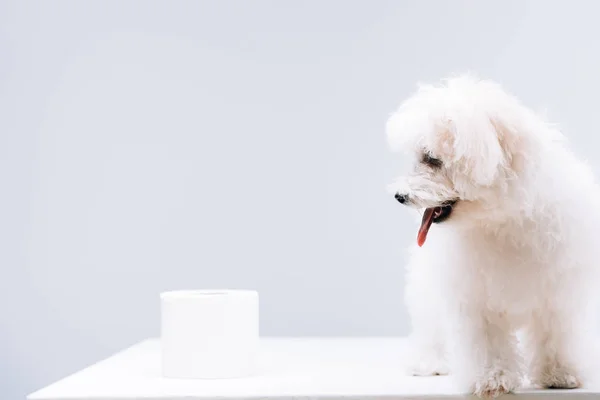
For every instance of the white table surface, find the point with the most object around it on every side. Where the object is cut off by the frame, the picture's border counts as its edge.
(290, 369)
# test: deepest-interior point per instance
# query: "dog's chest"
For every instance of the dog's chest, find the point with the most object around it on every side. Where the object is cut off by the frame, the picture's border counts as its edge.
(513, 289)
(512, 275)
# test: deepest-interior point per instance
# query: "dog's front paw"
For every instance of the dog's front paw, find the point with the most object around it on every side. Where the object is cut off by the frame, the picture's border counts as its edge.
(558, 378)
(427, 363)
(496, 382)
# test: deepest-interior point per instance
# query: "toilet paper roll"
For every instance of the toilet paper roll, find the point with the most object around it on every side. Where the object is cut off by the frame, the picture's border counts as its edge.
(209, 334)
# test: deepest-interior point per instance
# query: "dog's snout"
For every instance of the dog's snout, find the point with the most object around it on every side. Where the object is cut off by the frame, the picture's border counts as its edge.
(402, 198)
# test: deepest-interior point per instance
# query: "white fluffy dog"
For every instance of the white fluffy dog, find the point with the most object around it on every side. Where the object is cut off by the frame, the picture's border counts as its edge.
(509, 218)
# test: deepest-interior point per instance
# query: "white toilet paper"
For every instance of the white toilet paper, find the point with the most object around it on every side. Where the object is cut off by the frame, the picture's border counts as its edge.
(209, 334)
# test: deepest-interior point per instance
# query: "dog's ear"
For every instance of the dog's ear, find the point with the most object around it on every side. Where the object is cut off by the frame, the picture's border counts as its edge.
(478, 148)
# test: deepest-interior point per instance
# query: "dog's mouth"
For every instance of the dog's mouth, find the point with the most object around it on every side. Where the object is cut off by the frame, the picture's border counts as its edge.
(433, 215)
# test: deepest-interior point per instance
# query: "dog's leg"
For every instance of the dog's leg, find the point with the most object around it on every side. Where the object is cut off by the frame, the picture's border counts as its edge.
(486, 357)
(556, 341)
(427, 347)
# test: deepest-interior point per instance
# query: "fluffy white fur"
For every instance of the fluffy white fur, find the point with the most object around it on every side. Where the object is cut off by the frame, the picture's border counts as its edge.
(519, 252)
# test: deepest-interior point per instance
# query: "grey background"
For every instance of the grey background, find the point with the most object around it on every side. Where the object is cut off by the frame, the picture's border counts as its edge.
(148, 146)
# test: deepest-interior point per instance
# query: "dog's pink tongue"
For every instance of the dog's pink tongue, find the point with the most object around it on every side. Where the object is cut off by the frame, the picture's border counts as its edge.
(425, 225)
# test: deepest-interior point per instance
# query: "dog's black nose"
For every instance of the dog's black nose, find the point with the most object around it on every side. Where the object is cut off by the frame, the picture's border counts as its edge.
(402, 198)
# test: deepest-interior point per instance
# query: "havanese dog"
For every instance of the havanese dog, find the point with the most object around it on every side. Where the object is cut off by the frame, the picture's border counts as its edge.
(507, 243)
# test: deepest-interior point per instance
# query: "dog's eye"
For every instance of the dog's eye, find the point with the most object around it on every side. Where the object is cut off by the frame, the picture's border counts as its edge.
(431, 161)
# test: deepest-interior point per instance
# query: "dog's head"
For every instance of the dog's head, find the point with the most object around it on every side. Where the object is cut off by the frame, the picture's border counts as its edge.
(468, 141)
